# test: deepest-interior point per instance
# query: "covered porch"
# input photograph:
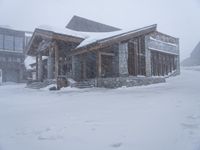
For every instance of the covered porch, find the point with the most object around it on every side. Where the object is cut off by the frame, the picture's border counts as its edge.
(51, 53)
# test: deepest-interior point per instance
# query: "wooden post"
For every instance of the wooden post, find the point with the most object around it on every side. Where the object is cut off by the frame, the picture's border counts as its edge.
(84, 66)
(98, 64)
(50, 64)
(56, 61)
(40, 68)
(36, 67)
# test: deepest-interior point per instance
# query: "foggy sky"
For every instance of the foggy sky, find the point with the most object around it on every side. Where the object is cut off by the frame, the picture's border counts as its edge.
(179, 18)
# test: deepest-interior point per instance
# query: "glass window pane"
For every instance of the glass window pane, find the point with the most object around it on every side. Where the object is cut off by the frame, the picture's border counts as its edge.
(19, 44)
(9, 42)
(1, 41)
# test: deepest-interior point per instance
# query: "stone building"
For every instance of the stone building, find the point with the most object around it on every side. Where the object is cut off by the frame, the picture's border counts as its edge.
(104, 59)
(12, 48)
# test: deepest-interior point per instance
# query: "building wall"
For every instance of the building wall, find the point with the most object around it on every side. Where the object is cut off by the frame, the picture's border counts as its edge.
(163, 44)
(12, 45)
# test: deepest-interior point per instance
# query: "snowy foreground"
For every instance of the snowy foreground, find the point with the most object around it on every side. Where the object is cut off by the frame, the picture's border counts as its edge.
(157, 117)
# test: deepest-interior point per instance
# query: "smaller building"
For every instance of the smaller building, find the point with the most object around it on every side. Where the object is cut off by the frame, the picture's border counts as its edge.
(12, 54)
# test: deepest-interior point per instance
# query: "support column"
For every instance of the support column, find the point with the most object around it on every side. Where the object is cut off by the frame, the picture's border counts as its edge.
(56, 61)
(40, 67)
(50, 64)
(36, 67)
(123, 59)
(84, 66)
(178, 59)
(147, 57)
(98, 64)
(76, 68)
(21, 73)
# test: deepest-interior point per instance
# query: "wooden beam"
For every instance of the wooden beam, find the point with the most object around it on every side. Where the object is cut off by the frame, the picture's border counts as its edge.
(107, 54)
(98, 64)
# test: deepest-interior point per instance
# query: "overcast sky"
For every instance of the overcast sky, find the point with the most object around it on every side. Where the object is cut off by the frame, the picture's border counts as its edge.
(179, 18)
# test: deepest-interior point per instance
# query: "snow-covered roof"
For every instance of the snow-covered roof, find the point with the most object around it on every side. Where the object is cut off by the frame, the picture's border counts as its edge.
(64, 31)
(92, 37)
(103, 37)
(28, 61)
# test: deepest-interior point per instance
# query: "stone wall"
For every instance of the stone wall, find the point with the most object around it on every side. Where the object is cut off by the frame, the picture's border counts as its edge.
(147, 58)
(127, 81)
(76, 67)
(123, 81)
(123, 59)
(160, 42)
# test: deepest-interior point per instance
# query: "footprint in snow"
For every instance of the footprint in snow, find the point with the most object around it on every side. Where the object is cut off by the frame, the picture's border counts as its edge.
(116, 145)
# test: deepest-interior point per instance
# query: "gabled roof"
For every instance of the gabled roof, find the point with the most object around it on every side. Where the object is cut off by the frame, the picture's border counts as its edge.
(85, 25)
(40, 34)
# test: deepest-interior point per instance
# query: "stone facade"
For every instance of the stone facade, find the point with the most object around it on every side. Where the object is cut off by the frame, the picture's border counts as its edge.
(147, 57)
(76, 67)
(123, 59)
(121, 81)
(162, 43)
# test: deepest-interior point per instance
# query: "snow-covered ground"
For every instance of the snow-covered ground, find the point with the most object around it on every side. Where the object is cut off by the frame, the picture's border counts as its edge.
(157, 117)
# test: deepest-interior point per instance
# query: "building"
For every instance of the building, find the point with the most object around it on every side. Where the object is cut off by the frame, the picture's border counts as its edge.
(12, 48)
(105, 59)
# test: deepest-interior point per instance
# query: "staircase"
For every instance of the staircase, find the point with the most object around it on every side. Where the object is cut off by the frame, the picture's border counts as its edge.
(84, 84)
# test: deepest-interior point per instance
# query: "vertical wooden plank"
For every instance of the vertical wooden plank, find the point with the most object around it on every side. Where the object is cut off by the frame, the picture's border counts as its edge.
(56, 60)
(40, 67)
(98, 64)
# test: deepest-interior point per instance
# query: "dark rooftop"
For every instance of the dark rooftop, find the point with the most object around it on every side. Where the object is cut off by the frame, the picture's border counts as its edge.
(81, 24)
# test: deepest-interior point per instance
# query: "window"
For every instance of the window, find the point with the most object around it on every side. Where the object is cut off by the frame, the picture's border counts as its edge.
(2, 59)
(9, 42)
(19, 42)
(1, 41)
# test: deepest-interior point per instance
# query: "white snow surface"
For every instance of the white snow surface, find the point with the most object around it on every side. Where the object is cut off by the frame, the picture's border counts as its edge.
(163, 116)
(31, 60)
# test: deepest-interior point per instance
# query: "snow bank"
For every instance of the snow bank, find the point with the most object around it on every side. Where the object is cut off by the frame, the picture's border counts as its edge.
(156, 117)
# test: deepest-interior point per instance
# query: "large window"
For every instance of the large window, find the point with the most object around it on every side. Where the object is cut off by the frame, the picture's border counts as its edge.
(19, 43)
(1, 41)
(9, 42)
